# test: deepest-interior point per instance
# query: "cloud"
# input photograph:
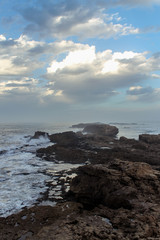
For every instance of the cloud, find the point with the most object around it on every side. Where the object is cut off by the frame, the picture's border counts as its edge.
(131, 3)
(15, 58)
(95, 77)
(71, 73)
(22, 56)
(144, 94)
(67, 18)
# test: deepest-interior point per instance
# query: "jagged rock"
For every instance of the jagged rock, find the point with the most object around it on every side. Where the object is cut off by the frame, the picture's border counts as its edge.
(68, 155)
(115, 184)
(39, 134)
(151, 139)
(65, 139)
(101, 129)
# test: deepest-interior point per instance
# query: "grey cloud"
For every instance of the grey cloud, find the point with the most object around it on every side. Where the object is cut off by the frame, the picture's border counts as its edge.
(86, 81)
(130, 3)
(17, 85)
(74, 17)
(144, 94)
(139, 91)
(7, 43)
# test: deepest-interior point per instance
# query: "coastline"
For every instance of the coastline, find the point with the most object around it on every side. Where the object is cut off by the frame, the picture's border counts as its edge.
(115, 194)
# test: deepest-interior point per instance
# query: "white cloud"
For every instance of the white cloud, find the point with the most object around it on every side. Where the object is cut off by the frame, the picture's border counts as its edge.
(157, 76)
(21, 56)
(97, 76)
(81, 20)
(25, 85)
(75, 73)
(15, 56)
(2, 38)
(86, 56)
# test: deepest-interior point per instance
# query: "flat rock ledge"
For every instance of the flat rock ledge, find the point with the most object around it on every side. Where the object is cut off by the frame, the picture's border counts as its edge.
(115, 195)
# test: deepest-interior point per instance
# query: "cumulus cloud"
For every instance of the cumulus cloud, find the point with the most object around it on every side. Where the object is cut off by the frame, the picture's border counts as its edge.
(15, 58)
(21, 56)
(97, 76)
(74, 72)
(19, 90)
(68, 18)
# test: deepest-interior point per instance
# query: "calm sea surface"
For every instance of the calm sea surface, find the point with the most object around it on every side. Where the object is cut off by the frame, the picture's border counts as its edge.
(23, 176)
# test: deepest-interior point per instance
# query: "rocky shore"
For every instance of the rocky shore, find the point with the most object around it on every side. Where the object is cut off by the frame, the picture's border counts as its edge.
(115, 193)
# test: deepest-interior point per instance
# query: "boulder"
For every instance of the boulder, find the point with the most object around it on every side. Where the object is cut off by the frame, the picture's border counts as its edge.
(115, 184)
(65, 139)
(101, 129)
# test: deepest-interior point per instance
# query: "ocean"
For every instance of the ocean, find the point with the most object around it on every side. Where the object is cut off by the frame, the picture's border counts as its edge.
(24, 176)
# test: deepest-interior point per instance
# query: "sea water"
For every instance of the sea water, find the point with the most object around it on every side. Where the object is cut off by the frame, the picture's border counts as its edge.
(23, 176)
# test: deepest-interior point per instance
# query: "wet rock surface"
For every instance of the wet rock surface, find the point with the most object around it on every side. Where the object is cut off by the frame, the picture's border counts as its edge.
(39, 134)
(101, 129)
(115, 194)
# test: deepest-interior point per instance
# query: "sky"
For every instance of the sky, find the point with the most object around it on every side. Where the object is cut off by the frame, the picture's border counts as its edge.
(78, 61)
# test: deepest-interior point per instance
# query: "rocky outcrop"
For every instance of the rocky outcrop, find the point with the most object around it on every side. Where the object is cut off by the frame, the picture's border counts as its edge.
(65, 139)
(98, 129)
(61, 153)
(118, 184)
(116, 201)
(115, 194)
(39, 134)
(151, 139)
(101, 129)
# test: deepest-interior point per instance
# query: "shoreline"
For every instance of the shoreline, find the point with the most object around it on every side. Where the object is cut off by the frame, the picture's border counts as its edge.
(117, 185)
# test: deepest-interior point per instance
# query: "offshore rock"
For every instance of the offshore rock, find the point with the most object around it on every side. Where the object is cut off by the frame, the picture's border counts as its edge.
(101, 129)
(83, 125)
(39, 134)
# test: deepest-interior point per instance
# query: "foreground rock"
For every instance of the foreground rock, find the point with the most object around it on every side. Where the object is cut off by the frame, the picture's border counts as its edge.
(118, 184)
(118, 200)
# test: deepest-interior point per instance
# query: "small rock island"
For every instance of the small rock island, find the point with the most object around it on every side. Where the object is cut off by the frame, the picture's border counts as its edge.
(114, 195)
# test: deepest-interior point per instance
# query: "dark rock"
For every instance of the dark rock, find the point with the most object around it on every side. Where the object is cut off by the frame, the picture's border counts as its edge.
(65, 139)
(115, 184)
(101, 129)
(83, 125)
(68, 155)
(3, 152)
(39, 134)
(151, 139)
